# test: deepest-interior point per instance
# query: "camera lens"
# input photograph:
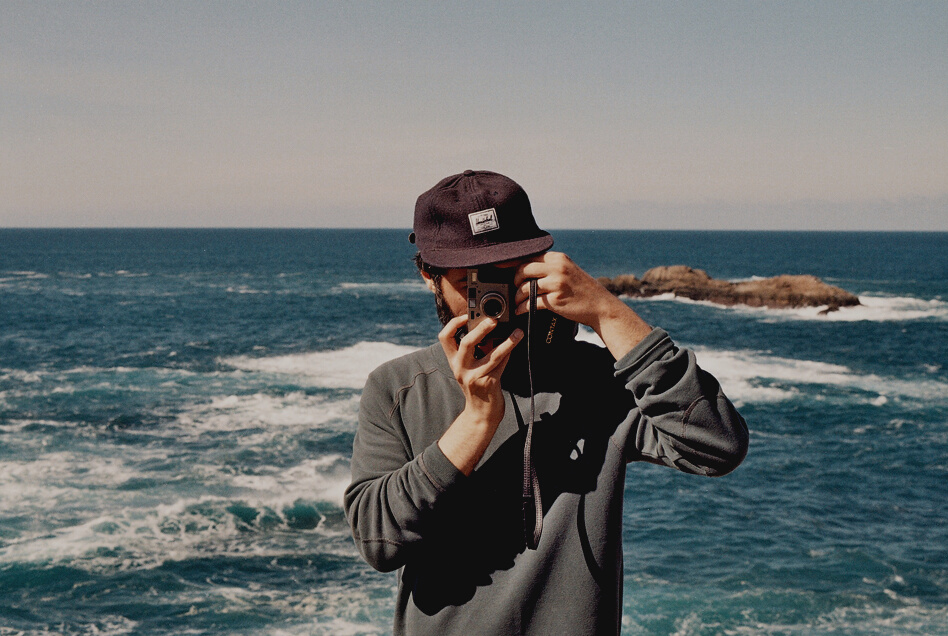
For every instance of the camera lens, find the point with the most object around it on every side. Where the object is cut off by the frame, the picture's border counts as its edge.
(493, 305)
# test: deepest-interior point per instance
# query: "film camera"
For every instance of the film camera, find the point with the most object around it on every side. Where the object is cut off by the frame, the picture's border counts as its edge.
(490, 293)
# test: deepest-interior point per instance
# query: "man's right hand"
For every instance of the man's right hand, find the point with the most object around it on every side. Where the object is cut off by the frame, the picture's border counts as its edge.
(467, 438)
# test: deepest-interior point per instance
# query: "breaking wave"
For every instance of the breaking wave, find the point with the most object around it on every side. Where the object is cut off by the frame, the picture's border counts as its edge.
(873, 308)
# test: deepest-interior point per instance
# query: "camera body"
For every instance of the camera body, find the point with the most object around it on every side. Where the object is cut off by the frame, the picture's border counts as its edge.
(490, 293)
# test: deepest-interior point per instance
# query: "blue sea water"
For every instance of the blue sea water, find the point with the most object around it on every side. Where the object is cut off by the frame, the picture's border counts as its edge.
(177, 409)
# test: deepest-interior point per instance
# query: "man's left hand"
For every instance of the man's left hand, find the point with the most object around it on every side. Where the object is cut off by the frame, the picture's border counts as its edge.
(565, 289)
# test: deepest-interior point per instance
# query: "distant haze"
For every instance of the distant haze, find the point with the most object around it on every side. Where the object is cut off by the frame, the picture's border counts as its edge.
(676, 115)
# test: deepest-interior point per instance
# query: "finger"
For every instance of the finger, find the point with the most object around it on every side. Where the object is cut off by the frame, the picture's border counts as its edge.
(504, 349)
(499, 356)
(546, 264)
(542, 303)
(530, 269)
(446, 335)
(476, 335)
(523, 291)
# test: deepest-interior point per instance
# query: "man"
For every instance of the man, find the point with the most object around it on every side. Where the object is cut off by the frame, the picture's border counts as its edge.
(491, 471)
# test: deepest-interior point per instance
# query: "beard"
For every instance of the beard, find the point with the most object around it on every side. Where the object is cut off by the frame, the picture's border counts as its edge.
(445, 314)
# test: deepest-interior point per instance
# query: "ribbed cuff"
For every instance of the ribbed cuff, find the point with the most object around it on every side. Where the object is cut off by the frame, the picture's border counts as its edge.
(656, 344)
(439, 468)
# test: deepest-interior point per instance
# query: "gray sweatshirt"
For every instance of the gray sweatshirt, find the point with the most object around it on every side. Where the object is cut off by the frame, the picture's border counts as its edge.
(459, 541)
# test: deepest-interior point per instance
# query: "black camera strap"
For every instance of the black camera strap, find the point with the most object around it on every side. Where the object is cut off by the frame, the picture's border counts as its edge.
(532, 504)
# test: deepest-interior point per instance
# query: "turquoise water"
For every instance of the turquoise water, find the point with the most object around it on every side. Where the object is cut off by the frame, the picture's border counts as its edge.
(177, 410)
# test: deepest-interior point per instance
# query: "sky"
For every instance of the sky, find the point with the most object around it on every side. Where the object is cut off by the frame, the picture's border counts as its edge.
(629, 115)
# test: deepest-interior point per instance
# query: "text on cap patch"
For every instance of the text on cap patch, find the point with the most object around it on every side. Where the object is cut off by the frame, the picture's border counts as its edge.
(483, 221)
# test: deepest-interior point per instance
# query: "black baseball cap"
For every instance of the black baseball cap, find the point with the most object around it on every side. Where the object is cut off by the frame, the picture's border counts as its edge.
(476, 218)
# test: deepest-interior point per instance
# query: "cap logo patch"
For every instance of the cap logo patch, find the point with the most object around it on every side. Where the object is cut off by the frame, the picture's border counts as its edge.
(483, 221)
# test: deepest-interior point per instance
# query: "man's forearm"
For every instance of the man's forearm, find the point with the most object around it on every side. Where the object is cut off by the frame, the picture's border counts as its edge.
(466, 440)
(619, 327)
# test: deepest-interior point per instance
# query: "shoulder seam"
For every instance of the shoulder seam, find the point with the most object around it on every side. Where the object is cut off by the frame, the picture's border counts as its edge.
(402, 389)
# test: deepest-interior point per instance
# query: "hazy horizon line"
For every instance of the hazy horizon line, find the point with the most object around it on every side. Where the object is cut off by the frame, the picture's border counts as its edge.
(408, 229)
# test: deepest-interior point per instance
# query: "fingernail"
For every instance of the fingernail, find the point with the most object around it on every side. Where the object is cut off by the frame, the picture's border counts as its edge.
(517, 334)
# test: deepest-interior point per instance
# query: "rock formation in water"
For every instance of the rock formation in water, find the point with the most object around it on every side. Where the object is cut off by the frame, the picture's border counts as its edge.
(779, 292)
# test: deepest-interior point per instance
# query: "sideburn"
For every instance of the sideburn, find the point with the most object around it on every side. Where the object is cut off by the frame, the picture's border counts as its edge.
(444, 311)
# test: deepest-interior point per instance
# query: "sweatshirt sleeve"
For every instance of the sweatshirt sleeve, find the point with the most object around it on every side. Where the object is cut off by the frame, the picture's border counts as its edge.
(392, 494)
(683, 419)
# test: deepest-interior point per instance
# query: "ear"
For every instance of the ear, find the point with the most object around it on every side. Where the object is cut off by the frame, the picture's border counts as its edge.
(429, 281)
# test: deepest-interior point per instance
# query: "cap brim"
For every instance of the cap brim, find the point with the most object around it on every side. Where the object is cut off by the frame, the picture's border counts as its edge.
(486, 254)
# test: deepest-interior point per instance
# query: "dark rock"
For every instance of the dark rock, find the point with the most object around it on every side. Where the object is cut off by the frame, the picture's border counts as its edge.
(779, 292)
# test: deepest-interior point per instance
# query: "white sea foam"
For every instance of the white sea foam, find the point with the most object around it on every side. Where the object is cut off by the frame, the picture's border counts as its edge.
(743, 373)
(103, 625)
(18, 280)
(124, 539)
(871, 619)
(746, 279)
(873, 308)
(53, 480)
(877, 309)
(758, 377)
(321, 479)
(407, 286)
(243, 289)
(339, 369)
(752, 376)
(18, 375)
(117, 536)
(26, 274)
(333, 608)
(335, 626)
(241, 412)
(40, 375)
(35, 384)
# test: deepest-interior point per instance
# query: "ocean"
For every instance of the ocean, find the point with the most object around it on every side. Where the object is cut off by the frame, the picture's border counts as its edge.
(177, 409)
